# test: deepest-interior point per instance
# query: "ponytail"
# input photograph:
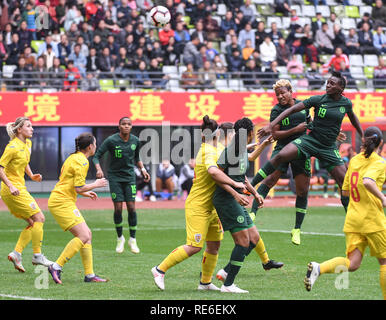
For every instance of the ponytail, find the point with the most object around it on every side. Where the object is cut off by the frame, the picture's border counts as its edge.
(83, 141)
(209, 128)
(372, 140)
(12, 127)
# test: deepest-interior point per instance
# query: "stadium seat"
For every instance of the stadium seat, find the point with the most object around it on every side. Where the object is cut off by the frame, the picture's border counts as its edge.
(265, 10)
(8, 70)
(221, 84)
(274, 19)
(348, 23)
(221, 9)
(352, 11)
(123, 83)
(324, 10)
(285, 23)
(35, 44)
(50, 90)
(223, 46)
(369, 72)
(357, 73)
(356, 60)
(169, 70)
(364, 9)
(331, 3)
(339, 11)
(370, 60)
(33, 90)
(308, 11)
(304, 20)
(357, 3)
(324, 58)
(106, 84)
(298, 10)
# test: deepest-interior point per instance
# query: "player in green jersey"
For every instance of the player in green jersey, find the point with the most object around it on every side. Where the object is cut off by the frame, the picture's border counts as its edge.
(330, 110)
(123, 148)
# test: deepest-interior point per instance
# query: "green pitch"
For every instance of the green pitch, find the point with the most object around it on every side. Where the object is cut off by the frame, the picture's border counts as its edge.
(161, 231)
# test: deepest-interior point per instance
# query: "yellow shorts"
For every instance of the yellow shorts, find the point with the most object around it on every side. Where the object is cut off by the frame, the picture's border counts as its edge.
(22, 206)
(376, 241)
(66, 214)
(202, 225)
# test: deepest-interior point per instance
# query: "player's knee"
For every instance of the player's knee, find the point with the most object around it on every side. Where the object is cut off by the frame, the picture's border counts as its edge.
(38, 217)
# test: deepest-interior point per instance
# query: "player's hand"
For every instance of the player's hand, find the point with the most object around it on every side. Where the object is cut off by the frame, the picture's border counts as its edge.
(14, 191)
(146, 176)
(301, 127)
(341, 137)
(99, 174)
(263, 132)
(260, 200)
(384, 201)
(241, 199)
(100, 183)
(239, 185)
(268, 141)
(92, 195)
(37, 177)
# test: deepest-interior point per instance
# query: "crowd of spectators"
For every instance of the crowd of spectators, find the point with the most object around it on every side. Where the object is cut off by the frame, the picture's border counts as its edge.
(82, 41)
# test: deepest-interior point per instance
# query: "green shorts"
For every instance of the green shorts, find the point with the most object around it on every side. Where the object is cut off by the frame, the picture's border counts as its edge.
(122, 191)
(328, 156)
(233, 216)
(298, 166)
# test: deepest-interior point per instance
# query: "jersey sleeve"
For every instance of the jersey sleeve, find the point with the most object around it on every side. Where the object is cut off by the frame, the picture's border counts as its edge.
(101, 151)
(136, 153)
(375, 170)
(274, 114)
(311, 102)
(349, 106)
(7, 156)
(80, 173)
(222, 161)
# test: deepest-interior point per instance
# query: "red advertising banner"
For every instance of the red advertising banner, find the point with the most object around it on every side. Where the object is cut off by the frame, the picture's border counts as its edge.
(154, 108)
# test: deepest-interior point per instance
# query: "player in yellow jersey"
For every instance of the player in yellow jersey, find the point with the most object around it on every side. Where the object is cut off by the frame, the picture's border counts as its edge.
(14, 164)
(365, 224)
(202, 223)
(62, 205)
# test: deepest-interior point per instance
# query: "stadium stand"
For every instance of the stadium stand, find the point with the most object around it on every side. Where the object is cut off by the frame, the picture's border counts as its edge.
(89, 25)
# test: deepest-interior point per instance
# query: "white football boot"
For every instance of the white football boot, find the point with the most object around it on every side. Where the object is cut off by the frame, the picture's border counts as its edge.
(120, 244)
(133, 245)
(209, 286)
(159, 278)
(40, 259)
(232, 289)
(313, 273)
(15, 258)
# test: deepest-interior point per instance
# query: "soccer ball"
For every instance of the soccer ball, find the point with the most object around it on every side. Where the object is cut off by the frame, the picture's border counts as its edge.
(159, 16)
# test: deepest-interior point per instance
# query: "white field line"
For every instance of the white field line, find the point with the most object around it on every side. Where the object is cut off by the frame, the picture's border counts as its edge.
(19, 297)
(178, 228)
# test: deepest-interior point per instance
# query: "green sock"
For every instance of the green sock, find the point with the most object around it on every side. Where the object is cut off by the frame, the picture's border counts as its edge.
(301, 210)
(262, 190)
(236, 261)
(264, 172)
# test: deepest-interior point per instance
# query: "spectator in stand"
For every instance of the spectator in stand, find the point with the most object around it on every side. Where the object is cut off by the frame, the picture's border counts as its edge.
(170, 56)
(185, 180)
(200, 32)
(71, 77)
(165, 177)
(86, 33)
(7, 34)
(181, 36)
(271, 75)
(80, 61)
(219, 67)
(379, 79)
(157, 77)
(102, 31)
(294, 19)
(3, 50)
(97, 44)
(29, 58)
(141, 77)
(332, 21)
(207, 76)
(43, 46)
(15, 18)
(283, 53)
(130, 45)
(64, 49)
(73, 34)
(260, 34)
(123, 65)
(233, 4)
(110, 23)
(251, 75)
(157, 52)
(113, 46)
(334, 64)
(189, 79)
(378, 14)
(380, 40)
(40, 75)
(247, 33)
(29, 15)
(21, 76)
(92, 61)
(314, 77)
(144, 6)
(233, 45)
(366, 40)
(317, 24)
(282, 6)
(60, 10)
(123, 13)
(211, 27)
(235, 62)
(324, 39)
(106, 63)
(198, 12)
(295, 66)
(275, 34)
(83, 47)
(165, 34)
(365, 19)
(247, 50)
(346, 73)
(141, 184)
(49, 56)
(249, 11)
(227, 23)
(352, 42)
(90, 83)
(56, 75)
(240, 21)
(191, 53)
(267, 51)
(140, 56)
(14, 50)
(210, 51)
(73, 15)
(24, 35)
(339, 38)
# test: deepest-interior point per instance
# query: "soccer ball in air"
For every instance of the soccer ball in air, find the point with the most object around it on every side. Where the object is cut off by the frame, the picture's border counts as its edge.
(159, 16)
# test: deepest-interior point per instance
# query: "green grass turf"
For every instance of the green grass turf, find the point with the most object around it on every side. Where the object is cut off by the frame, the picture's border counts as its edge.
(159, 232)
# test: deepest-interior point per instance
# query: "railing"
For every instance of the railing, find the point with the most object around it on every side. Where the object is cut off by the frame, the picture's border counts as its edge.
(129, 80)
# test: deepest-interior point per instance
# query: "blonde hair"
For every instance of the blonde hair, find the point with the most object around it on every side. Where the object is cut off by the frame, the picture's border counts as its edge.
(282, 83)
(12, 127)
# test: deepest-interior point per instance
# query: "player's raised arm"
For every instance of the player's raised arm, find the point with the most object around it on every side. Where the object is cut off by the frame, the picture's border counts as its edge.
(355, 122)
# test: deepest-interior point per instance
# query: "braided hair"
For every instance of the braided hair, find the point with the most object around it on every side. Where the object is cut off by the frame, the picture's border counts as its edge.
(83, 141)
(12, 127)
(342, 80)
(372, 139)
(242, 124)
(208, 128)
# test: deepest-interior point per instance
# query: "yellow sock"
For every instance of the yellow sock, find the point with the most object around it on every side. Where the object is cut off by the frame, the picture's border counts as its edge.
(260, 250)
(330, 266)
(209, 262)
(86, 255)
(37, 237)
(176, 256)
(69, 251)
(382, 280)
(24, 238)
